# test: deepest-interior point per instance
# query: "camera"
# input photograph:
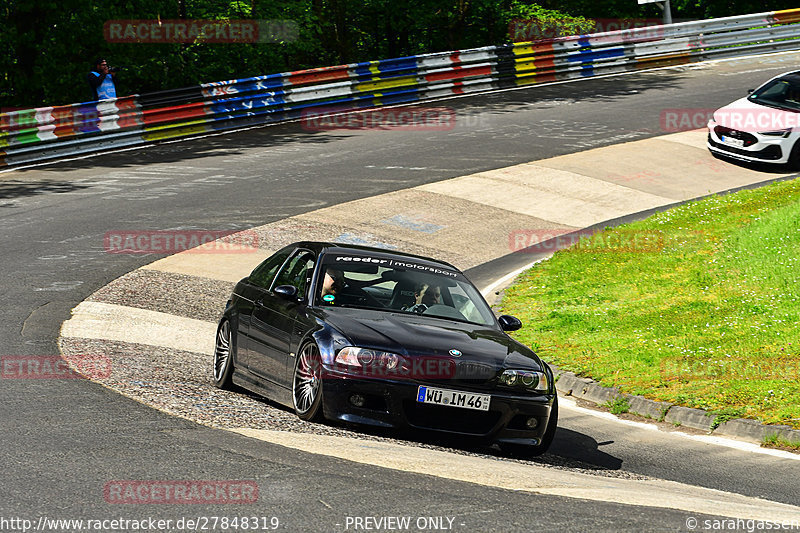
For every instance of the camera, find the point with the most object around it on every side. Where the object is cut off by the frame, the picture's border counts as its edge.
(115, 69)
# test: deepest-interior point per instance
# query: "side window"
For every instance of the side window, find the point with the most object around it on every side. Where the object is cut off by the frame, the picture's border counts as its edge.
(297, 272)
(264, 273)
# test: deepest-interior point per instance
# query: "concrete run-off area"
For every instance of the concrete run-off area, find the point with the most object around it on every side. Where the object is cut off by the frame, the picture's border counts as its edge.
(468, 221)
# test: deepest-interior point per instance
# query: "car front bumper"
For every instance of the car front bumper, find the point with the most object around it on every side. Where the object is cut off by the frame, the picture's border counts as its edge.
(393, 404)
(764, 149)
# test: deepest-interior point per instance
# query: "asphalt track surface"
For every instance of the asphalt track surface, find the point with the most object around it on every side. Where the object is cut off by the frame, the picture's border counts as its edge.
(63, 440)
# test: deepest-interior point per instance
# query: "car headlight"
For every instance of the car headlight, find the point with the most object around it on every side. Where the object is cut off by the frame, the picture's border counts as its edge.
(356, 357)
(777, 133)
(527, 379)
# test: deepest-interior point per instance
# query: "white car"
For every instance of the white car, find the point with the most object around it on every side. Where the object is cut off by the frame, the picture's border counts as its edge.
(763, 127)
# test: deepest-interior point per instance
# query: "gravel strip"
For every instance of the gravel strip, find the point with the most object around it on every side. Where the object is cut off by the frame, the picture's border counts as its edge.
(175, 294)
(179, 383)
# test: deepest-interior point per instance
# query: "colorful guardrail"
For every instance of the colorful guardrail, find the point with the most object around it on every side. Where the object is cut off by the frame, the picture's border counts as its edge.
(33, 135)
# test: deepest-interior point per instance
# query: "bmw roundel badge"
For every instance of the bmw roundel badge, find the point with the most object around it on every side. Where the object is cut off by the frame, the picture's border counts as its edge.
(455, 353)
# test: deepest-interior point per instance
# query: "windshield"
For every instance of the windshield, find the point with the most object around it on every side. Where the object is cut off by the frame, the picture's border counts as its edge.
(400, 286)
(783, 93)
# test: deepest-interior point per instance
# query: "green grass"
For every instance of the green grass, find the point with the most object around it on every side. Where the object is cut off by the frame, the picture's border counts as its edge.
(780, 442)
(698, 306)
(724, 415)
(618, 405)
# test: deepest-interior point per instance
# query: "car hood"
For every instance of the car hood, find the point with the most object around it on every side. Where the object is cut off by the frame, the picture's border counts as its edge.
(744, 115)
(412, 335)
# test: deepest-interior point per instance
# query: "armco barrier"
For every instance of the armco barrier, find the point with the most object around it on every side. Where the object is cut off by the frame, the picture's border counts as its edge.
(39, 134)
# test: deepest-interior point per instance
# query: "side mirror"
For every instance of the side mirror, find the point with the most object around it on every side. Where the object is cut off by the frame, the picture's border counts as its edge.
(509, 323)
(750, 91)
(287, 292)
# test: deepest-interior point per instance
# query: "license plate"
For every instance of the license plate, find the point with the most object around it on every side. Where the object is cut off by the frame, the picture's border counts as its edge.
(453, 398)
(738, 143)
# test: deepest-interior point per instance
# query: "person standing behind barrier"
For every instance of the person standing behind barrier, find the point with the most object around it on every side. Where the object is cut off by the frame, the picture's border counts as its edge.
(101, 80)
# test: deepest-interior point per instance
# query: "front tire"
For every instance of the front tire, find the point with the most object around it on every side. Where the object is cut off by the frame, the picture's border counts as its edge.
(223, 356)
(794, 157)
(521, 450)
(307, 383)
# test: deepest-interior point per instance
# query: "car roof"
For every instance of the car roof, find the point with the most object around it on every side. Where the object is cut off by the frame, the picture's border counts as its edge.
(355, 249)
(793, 76)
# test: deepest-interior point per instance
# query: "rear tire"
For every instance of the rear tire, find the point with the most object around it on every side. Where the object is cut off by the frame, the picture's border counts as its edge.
(522, 450)
(223, 356)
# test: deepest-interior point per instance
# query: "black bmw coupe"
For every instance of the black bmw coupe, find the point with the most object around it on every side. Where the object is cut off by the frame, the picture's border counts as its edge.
(376, 337)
